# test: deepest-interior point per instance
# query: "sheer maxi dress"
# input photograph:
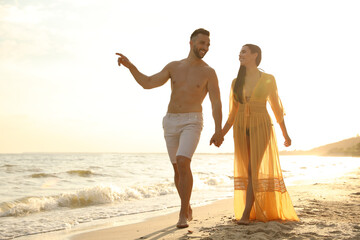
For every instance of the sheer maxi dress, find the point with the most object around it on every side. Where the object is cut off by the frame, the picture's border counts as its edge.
(272, 201)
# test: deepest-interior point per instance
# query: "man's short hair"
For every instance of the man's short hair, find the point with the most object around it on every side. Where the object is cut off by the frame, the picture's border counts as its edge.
(199, 31)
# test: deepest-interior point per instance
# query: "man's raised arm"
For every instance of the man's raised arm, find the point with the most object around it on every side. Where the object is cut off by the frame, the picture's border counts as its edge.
(146, 82)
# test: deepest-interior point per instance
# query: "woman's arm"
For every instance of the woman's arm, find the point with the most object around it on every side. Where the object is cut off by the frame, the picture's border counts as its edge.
(234, 106)
(229, 123)
(287, 142)
(278, 110)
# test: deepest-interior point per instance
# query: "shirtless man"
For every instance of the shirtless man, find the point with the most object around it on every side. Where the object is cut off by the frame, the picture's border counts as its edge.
(191, 79)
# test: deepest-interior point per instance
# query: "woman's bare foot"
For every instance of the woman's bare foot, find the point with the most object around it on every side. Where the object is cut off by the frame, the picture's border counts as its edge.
(245, 219)
(243, 222)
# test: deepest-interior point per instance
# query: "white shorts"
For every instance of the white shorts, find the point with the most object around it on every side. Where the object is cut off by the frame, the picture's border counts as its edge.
(182, 133)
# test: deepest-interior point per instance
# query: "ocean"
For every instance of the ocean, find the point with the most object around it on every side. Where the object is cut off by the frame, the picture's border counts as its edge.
(43, 192)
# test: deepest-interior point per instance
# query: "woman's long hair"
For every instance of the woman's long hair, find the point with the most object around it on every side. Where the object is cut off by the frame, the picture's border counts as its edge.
(240, 79)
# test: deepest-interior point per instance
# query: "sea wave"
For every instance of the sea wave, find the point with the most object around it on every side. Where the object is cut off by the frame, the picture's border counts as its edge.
(81, 173)
(202, 183)
(97, 195)
(7, 166)
(85, 197)
(42, 175)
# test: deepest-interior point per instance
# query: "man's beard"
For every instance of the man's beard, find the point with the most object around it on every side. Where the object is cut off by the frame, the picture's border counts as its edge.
(197, 53)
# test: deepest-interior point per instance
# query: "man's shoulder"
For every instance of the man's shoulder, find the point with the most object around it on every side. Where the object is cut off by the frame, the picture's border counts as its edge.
(174, 63)
(203, 65)
(177, 64)
(207, 68)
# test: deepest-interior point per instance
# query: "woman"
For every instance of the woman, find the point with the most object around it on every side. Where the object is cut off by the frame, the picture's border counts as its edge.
(260, 192)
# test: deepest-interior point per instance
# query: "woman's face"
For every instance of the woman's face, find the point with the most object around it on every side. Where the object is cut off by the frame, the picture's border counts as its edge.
(246, 57)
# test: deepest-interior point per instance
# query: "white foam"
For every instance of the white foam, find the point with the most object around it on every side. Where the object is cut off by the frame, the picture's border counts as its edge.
(96, 195)
(100, 194)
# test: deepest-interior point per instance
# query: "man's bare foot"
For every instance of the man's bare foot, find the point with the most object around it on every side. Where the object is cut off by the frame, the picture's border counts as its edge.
(182, 223)
(190, 217)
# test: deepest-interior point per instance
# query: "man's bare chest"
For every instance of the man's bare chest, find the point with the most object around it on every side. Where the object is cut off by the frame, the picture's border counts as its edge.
(192, 78)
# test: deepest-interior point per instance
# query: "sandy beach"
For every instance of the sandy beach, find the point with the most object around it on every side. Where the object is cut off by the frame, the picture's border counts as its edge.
(328, 210)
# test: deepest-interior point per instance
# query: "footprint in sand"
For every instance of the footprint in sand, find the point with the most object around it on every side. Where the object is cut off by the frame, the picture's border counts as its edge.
(325, 225)
(357, 227)
(310, 213)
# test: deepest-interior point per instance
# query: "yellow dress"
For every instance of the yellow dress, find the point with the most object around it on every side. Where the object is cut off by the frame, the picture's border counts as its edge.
(272, 201)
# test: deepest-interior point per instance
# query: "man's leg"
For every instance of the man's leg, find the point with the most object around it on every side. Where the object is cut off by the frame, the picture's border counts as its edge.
(185, 185)
(181, 144)
(176, 181)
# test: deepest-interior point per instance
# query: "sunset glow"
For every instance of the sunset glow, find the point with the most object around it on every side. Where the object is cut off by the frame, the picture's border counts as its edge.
(62, 91)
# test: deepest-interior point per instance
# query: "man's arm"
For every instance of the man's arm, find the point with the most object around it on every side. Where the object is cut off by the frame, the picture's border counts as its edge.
(146, 82)
(214, 95)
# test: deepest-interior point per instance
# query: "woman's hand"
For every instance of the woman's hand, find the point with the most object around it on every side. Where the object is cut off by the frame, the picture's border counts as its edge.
(217, 139)
(287, 142)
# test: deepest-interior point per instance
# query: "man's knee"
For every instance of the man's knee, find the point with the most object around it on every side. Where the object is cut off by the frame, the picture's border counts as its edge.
(183, 163)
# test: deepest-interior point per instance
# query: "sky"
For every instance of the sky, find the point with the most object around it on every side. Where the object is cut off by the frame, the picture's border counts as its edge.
(62, 91)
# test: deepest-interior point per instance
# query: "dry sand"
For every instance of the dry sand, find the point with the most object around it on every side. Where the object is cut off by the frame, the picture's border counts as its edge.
(327, 211)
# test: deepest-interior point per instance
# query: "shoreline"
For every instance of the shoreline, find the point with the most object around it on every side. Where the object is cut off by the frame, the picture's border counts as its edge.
(164, 226)
(124, 222)
(328, 210)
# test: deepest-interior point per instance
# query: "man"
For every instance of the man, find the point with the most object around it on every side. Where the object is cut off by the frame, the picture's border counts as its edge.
(191, 79)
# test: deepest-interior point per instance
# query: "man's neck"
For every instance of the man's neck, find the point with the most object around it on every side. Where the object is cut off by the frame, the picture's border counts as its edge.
(192, 59)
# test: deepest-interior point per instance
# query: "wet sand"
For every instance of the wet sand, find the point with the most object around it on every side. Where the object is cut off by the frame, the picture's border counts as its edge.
(328, 210)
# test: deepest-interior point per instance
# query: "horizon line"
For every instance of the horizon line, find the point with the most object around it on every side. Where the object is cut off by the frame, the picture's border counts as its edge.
(81, 152)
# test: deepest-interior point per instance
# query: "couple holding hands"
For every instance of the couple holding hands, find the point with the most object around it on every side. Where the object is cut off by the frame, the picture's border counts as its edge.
(259, 189)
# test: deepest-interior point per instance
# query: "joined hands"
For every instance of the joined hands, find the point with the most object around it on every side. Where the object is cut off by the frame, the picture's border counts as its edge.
(217, 139)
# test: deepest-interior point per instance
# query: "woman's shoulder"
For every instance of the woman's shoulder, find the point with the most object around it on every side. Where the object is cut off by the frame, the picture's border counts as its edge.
(267, 75)
(268, 78)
